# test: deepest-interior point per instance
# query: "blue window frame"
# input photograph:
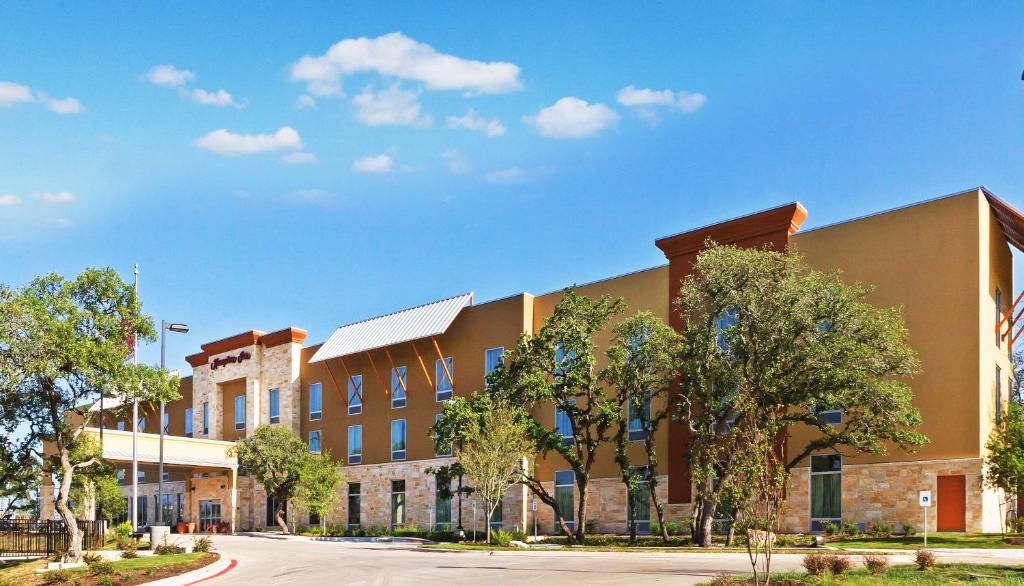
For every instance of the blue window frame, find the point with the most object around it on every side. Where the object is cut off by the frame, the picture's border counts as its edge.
(563, 424)
(724, 321)
(639, 418)
(120, 426)
(492, 359)
(274, 409)
(206, 418)
(315, 401)
(314, 441)
(565, 486)
(442, 382)
(188, 422)
(355, 394)
(355, 444)
(563, 359)
(398, 445)
(399, 382)
(239, 412)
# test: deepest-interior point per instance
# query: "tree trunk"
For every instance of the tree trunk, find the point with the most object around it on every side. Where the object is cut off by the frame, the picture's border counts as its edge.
(732, 532)
(703, 523)
(74, 552)
(581, 513)
(659, 508)
(278, 509)
(487, 520)
(632, 518)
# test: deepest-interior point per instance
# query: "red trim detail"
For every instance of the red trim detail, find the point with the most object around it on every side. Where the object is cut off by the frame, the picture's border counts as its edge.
(231, 566)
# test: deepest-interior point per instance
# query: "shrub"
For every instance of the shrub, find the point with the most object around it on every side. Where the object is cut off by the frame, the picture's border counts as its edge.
(816, 563)
(501, 538)
(591, 526)
(101, 568)
(722, 579)
(406, 531)
(655, 528)
(129, 550)
(168, 549)
(925, 559)
(839, 564)
(881, 529)
(57, 577)
(674, 528)
(876, 564)
(91, 557)
(105, 581)
(829, 528)
(123, 529)
(850, 529)
(909, 529)
(202, 545)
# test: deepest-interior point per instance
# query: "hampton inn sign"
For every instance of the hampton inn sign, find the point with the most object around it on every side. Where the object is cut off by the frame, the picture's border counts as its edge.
(225, 360)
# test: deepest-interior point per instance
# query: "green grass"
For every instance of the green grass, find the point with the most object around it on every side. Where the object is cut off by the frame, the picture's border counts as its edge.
(941, 574)
(155, 561)
(24, 573)
(935, 541)
(644, 548)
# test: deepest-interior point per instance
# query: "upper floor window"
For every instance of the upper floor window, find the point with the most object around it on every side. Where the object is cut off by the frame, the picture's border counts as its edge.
(829, 416)
(120, 426)
(563, 425)
(120, 476)
(399, 383)
(206, 418)
(443, 373)
(355, 444)
(355, 394)
(398, 446)
(274, 409)
(724, 321)
(166, 422)
(492, 359)
(315, 401)
(445, 450)
(999, 318)
(239, 412)
(188, 422)
(142, 424)
(639, 418)
(563, 359)
(314, 441)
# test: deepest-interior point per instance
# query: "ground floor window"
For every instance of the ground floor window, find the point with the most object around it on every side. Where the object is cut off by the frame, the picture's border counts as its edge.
(826, 490)
(397, 502)
(638, 510)
(354, 500)
(167, 510)
(209, 514)
(314, 518)
(443, 506)
(142, 517)
(180, 508)
(565, 483)
(496, 516)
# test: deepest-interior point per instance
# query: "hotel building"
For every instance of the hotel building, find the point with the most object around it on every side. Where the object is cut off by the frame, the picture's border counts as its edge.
(371, 391)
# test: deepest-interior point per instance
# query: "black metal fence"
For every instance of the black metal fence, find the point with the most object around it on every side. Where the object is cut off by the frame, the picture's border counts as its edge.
(31, 537)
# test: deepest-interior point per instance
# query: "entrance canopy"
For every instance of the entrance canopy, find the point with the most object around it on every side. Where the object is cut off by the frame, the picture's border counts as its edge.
(178, 451)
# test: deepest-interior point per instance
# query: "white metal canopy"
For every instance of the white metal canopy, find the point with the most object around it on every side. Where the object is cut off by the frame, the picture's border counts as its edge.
(414, 323)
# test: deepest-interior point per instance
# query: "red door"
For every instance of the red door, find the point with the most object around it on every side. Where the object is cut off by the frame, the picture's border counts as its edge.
(952, 503)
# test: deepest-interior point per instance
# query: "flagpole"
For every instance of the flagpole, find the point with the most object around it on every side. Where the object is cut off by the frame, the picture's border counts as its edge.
(135, 425)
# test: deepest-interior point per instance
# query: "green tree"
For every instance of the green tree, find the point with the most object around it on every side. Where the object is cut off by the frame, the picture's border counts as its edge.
(641, 369)
(319, 480)
(557, 366)
(495, 452)
(764, 334)
(60, 342)
(1004, 459)
(19, 474)
(95, 485)
(275, 457)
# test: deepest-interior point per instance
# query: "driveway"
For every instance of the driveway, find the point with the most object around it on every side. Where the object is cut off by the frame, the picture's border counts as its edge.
(277, 560)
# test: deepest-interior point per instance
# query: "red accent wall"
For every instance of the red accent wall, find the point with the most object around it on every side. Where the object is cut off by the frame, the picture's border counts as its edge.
(769, 228)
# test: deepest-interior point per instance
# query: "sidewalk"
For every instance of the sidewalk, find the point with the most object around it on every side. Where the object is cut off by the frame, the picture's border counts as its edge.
(217, 568)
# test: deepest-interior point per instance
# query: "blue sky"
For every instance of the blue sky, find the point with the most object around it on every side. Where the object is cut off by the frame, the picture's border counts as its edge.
(460, 146)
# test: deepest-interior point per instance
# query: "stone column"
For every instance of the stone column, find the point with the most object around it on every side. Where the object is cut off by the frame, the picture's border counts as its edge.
(253, 394)
(233, 487)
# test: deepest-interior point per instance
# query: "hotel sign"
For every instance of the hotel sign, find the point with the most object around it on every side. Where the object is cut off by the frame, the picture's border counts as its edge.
(224, 361)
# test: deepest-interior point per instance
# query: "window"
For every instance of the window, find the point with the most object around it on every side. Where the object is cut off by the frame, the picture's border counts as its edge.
(315, 401)
(723, 322)
(497, 516)
(640, 499)
(314, 519)
(445, 450)
(999, 318)
(239, 412)
(397, 502)
(829, 416)
(166, 476)
(180, 507)
(399, 382)
(443, 373)
(999, 395)
(188, 422)
(492, 359)
(355, 394)
(314, 441)
(142, 424)
(209, 514)
(120, 476)
(355, 444)
(141, 476)
(826, 490)
(206, 418)
(565, 481)
(120, 426)
(167, 510)
(354, 498)
(443, 507)
(166, 420)
(639, 418)
(143, 514)
(274, 408)
(563, 359)
(398, 439)
(563, 424)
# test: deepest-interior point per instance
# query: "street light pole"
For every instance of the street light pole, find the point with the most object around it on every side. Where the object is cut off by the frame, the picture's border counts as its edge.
(182, 329)
(135, 425)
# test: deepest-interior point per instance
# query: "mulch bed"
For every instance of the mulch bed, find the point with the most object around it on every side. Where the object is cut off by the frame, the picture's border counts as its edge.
(141, 577)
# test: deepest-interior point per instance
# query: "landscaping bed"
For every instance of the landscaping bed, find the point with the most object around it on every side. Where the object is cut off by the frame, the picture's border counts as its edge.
(935, 541)
(979, 574)
(124, 572)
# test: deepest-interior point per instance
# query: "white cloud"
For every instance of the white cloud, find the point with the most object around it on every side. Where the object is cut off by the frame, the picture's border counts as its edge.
(14, 93)
(506, 176)
(299, 159)
(476, 122)
(230, 144)
(380, 164)
(7, 199)
(571, 117)
(63, 107)
(62, 197)
(219, 98)
(169, 76)
(645, 101)
(456, 162)
(396, 55)
(305, 101)
(393, 106)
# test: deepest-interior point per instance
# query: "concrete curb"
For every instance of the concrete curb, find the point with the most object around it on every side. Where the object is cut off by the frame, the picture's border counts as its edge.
(217, 568)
